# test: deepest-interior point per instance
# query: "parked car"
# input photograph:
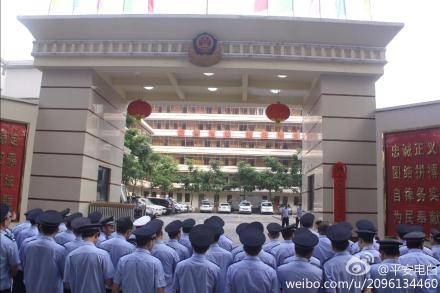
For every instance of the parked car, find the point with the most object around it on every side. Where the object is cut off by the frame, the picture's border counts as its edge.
(224, 207)
(180, 207)
(206, 206)
(266, 207)
(245, 207)
(150, 208)
(165, 202)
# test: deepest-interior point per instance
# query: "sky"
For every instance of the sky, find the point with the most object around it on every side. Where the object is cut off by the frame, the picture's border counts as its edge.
(411, 74)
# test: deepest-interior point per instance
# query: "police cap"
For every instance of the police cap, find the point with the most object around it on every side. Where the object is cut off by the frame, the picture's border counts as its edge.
(201, 235)
(305, 239)
(49, 218)
(188, 223)
(307, 219)
(174, 226)
(95, 217)
(339, 232)
(251, 236)
(273, 227)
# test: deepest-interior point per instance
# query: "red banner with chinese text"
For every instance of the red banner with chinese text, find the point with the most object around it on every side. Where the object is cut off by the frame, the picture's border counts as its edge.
(12, 151)
(412, 181)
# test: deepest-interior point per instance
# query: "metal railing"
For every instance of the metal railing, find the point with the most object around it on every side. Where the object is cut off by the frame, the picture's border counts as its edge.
(117, 210)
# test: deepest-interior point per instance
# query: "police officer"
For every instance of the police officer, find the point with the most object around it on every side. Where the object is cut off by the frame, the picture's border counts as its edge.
(312, 260)
(76, 224)
(435, 241)
(140, 271)
(107, 228)
(286, 247)
(118, 246)
(224, 242)
(32, 230)
(88, 268)
(285, 214)
(221, 257)
(67, 236)
(187, 225)
(251, 274)
(173, 230)
(395, 272)
(273, 233)
(26, 224)
(9, 251)
(165, 254)
(197, 274)
(366, 231)
(300, 268)
(415, 256)
(306, 221)
(43, 261)
(405, 229)
(343, 267)
(63, 226)
(265, 257)
(95, 217)
(323, 251)
(238, 248)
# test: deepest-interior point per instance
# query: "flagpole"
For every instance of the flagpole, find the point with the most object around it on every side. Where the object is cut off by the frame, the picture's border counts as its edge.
(207, 3)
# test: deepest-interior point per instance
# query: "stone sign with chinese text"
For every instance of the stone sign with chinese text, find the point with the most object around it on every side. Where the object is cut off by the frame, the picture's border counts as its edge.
(12, 151)
(412, 160)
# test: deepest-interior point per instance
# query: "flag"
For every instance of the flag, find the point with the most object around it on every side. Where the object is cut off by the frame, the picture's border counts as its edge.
(85, 6)
(260, 5)
(150, 6)
(358, 9)
(340, 9)
(315, 8)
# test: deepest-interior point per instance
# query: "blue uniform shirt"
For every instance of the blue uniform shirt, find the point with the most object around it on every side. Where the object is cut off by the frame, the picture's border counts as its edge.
(181, 250)
(225, 243)
(417, 257)
(285, 212)
(64, 237)
(23, 248)
(369, 254)
(335, 270)
(251, 275)
(395, 273)
(20, 227)
(184, 240)
(43, 265)
(354, 247)
(8, 258)
(223, 259)
(283, 251)
(117, 247)
(298, 270)
(264, 256)
(139, 272)
(169, 259)
(313, 261)
(62, 227)
(236, 250)
(26, 233)
(196, 274)
(323, 251)
(436, 251)
(270, 245)
(87, 267)
(72, 245)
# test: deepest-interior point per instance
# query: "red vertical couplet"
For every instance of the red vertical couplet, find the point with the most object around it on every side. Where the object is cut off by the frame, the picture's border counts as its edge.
(12, 152)
(339, 174)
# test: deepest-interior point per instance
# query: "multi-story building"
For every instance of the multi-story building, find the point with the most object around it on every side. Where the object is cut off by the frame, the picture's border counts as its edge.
(228, 134)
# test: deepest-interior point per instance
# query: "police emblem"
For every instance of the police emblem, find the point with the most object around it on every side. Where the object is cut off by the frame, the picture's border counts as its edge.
(205, 50)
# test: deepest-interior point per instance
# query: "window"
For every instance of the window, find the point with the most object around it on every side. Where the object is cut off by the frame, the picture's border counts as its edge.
(244, 111)
(190, 143)
(185, 109)
(206, 161)
(233, 162)
(264, 197)
(242, 127)
(260, 111)
(310, 192)
(285, 146)
(175, 126)
(226, 162)
(268, 145)
(228, 110)
(227, 127)
(182, 142)
(200, 126)
(183, 125)
(219, 127)
(208, 126)
(168, 109)
(235, 111)
(207, 143)
(251, 144)
(226, 143)
(193, 109)
(219, 110)
(181, 160)
(165, 142)
(159, 126)
(209, 110)
(252, 111)
(187, 197)
(251, 127)
(229, 197)
(167, 125)
(179, 197)
(268, 128)
(218, 144)
(103, 183)
(285, 128)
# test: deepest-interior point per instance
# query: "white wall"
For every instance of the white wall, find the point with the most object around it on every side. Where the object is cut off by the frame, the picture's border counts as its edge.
(21, 80)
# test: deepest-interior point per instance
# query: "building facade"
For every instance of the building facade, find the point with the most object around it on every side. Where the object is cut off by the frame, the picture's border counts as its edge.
(229, 134)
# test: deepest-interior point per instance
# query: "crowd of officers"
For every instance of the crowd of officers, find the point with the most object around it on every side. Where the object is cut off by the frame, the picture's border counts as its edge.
(56, 251)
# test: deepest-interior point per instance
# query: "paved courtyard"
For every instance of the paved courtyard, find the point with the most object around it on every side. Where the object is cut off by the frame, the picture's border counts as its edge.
(231, 220)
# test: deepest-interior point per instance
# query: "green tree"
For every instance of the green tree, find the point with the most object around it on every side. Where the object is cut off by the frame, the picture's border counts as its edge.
(131, 170)
(273, 178)
(213, 180)
(165, 173)
(191, 181)
(246, 177)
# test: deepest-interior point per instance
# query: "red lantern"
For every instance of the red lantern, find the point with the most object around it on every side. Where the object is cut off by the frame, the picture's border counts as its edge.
(211, 133)
(139, 109)
(278, 112)
(264, 134)
(249, 134)
(227, 134)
